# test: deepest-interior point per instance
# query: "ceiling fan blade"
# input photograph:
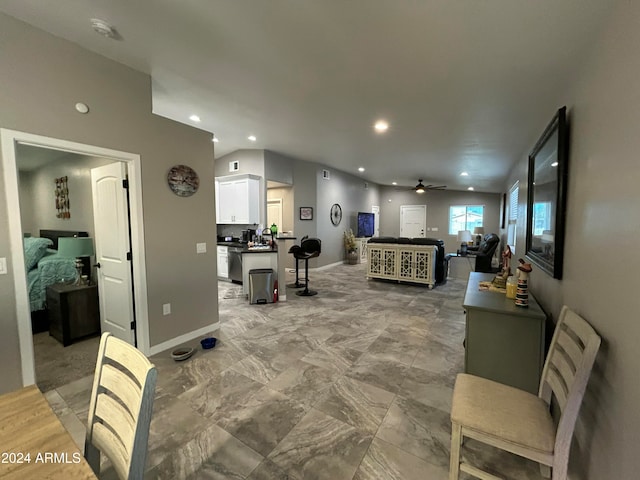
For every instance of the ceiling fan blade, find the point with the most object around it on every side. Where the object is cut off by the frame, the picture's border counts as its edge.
(436, 187)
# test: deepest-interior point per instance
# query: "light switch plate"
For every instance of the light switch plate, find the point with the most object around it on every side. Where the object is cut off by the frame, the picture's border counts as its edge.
(3, 266)
(166, 309)
(434, 229)
(201, 248)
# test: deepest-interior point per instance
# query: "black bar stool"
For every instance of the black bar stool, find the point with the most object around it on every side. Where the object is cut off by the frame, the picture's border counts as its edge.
(309, 248)
(293, 250)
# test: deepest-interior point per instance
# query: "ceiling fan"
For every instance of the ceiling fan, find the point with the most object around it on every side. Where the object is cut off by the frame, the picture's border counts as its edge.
(421, 188)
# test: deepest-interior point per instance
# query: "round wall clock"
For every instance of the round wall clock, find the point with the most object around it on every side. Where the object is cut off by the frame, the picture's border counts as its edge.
(183, 180)
(336, 213)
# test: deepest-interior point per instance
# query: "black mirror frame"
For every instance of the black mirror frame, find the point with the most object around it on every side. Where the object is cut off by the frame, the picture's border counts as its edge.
(558, 125)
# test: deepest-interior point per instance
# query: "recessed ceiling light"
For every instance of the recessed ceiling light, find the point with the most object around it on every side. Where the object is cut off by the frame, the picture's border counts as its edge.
(361, 169)
(464, 174)
(194, 118)
(470, 189)
(215, 139)
(103, 28)
(554, 164)
(381, 126)
(252, 138)
(394, 183)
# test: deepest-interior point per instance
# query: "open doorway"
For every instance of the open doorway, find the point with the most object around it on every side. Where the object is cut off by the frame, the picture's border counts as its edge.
(22, 219)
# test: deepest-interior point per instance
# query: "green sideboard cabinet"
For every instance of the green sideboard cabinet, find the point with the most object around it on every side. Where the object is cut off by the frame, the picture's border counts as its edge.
(503, 342)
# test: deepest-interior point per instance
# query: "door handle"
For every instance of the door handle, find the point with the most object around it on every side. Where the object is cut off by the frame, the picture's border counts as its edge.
(97, 265)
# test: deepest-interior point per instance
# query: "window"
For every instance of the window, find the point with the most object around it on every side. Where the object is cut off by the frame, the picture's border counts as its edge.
(465, 217)
(541, 217)
(513, 216)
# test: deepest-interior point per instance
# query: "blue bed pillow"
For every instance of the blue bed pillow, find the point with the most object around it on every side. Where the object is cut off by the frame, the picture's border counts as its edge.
(34, 249)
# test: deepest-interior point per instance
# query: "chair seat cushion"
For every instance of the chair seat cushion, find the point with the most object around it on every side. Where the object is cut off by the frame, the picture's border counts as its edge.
(502, 412)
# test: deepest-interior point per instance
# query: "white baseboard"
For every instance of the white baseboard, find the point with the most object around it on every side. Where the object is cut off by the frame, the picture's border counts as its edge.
(325, 267)
(201, 332)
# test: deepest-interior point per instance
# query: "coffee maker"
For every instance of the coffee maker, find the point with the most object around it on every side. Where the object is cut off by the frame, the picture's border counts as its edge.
(248, 235)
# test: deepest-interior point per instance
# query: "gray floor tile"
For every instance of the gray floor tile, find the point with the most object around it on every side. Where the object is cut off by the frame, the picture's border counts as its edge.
(321, 447)
(385, 461)
(418, 429)
(359, 404)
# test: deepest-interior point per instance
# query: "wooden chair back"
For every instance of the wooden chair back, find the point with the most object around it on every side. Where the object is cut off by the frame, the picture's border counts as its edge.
(565, 375)
(120, 408)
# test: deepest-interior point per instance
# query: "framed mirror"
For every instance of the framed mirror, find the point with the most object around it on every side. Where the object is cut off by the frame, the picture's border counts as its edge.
(546, 196)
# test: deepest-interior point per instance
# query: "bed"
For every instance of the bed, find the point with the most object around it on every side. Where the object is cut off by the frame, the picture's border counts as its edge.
(45, 267)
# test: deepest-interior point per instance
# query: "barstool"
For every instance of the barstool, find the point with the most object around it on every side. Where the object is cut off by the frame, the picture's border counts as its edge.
(309, 248)
(293, 250)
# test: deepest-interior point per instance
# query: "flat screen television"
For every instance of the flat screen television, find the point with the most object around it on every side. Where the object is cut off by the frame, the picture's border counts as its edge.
(366, 223)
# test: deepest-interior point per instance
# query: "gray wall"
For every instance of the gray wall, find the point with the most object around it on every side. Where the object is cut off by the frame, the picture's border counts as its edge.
(438, 203)
(42, 78)
(349, 191)
(37, 201)
(278, 167)
(601, 279)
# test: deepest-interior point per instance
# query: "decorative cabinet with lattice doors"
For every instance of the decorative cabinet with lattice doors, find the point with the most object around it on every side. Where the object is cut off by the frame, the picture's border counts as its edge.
(404, 263)
(381, 261)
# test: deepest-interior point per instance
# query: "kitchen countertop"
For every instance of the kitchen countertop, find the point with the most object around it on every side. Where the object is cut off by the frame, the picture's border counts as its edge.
(259, 250)
(232, 244)
(246, 249)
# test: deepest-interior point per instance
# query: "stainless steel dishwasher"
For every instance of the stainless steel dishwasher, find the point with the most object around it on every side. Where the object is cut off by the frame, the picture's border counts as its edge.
(235, 264)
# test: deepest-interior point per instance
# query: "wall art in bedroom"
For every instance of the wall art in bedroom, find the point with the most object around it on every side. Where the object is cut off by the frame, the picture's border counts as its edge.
(62, 198)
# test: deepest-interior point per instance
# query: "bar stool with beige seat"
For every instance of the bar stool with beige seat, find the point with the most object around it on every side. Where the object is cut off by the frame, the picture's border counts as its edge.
(520, 422)
(120, 409)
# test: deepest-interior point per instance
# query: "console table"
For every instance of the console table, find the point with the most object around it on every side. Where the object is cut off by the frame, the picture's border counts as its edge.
(503, 342)
(402, 262)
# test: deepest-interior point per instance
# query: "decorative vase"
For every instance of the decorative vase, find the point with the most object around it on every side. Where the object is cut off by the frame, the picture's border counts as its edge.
(352, 257)
(522, 291)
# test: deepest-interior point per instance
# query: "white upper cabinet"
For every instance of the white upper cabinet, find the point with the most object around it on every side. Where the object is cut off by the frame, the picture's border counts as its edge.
(238, 199)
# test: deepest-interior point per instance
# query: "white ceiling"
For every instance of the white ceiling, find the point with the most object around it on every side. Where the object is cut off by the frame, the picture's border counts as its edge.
(466, 85)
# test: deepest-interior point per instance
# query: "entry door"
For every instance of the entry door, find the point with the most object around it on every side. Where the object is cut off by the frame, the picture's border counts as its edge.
(274, 213)
(375, 209)
(413, 220)
(111, 230)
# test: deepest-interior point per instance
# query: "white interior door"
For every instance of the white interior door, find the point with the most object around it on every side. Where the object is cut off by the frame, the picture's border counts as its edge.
(111, 227)
(413, 221)
(274, 213)
(375, 209)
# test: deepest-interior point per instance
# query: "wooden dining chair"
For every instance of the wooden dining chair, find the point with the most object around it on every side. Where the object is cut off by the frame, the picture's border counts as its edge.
(120, 408)
(520, 422)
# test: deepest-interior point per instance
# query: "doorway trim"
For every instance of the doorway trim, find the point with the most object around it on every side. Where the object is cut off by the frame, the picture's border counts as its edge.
(8, 140)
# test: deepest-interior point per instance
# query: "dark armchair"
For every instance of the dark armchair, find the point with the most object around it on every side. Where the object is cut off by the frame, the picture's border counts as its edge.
(484, 252)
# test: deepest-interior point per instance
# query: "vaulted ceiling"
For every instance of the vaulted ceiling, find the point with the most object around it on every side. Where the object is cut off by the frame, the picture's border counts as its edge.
(465, 85)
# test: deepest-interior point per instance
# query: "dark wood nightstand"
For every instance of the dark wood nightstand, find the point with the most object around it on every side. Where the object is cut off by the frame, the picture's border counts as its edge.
(73, 311)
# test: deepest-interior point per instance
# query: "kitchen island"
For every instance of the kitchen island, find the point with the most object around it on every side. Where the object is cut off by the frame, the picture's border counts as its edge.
(257, 257)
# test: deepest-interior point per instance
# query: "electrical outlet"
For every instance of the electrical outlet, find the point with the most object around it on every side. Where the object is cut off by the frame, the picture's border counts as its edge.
(166, 309)
(201, 248)
(3, 266)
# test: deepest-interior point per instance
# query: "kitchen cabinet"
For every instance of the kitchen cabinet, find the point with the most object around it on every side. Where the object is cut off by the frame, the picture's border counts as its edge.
(223, 261)
(238, 199)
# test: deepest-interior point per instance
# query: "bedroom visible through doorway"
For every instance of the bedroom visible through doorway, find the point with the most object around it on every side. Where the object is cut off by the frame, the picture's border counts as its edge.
(28, 206)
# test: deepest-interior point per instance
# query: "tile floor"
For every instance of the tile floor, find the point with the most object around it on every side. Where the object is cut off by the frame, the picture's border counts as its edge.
(354, 383)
